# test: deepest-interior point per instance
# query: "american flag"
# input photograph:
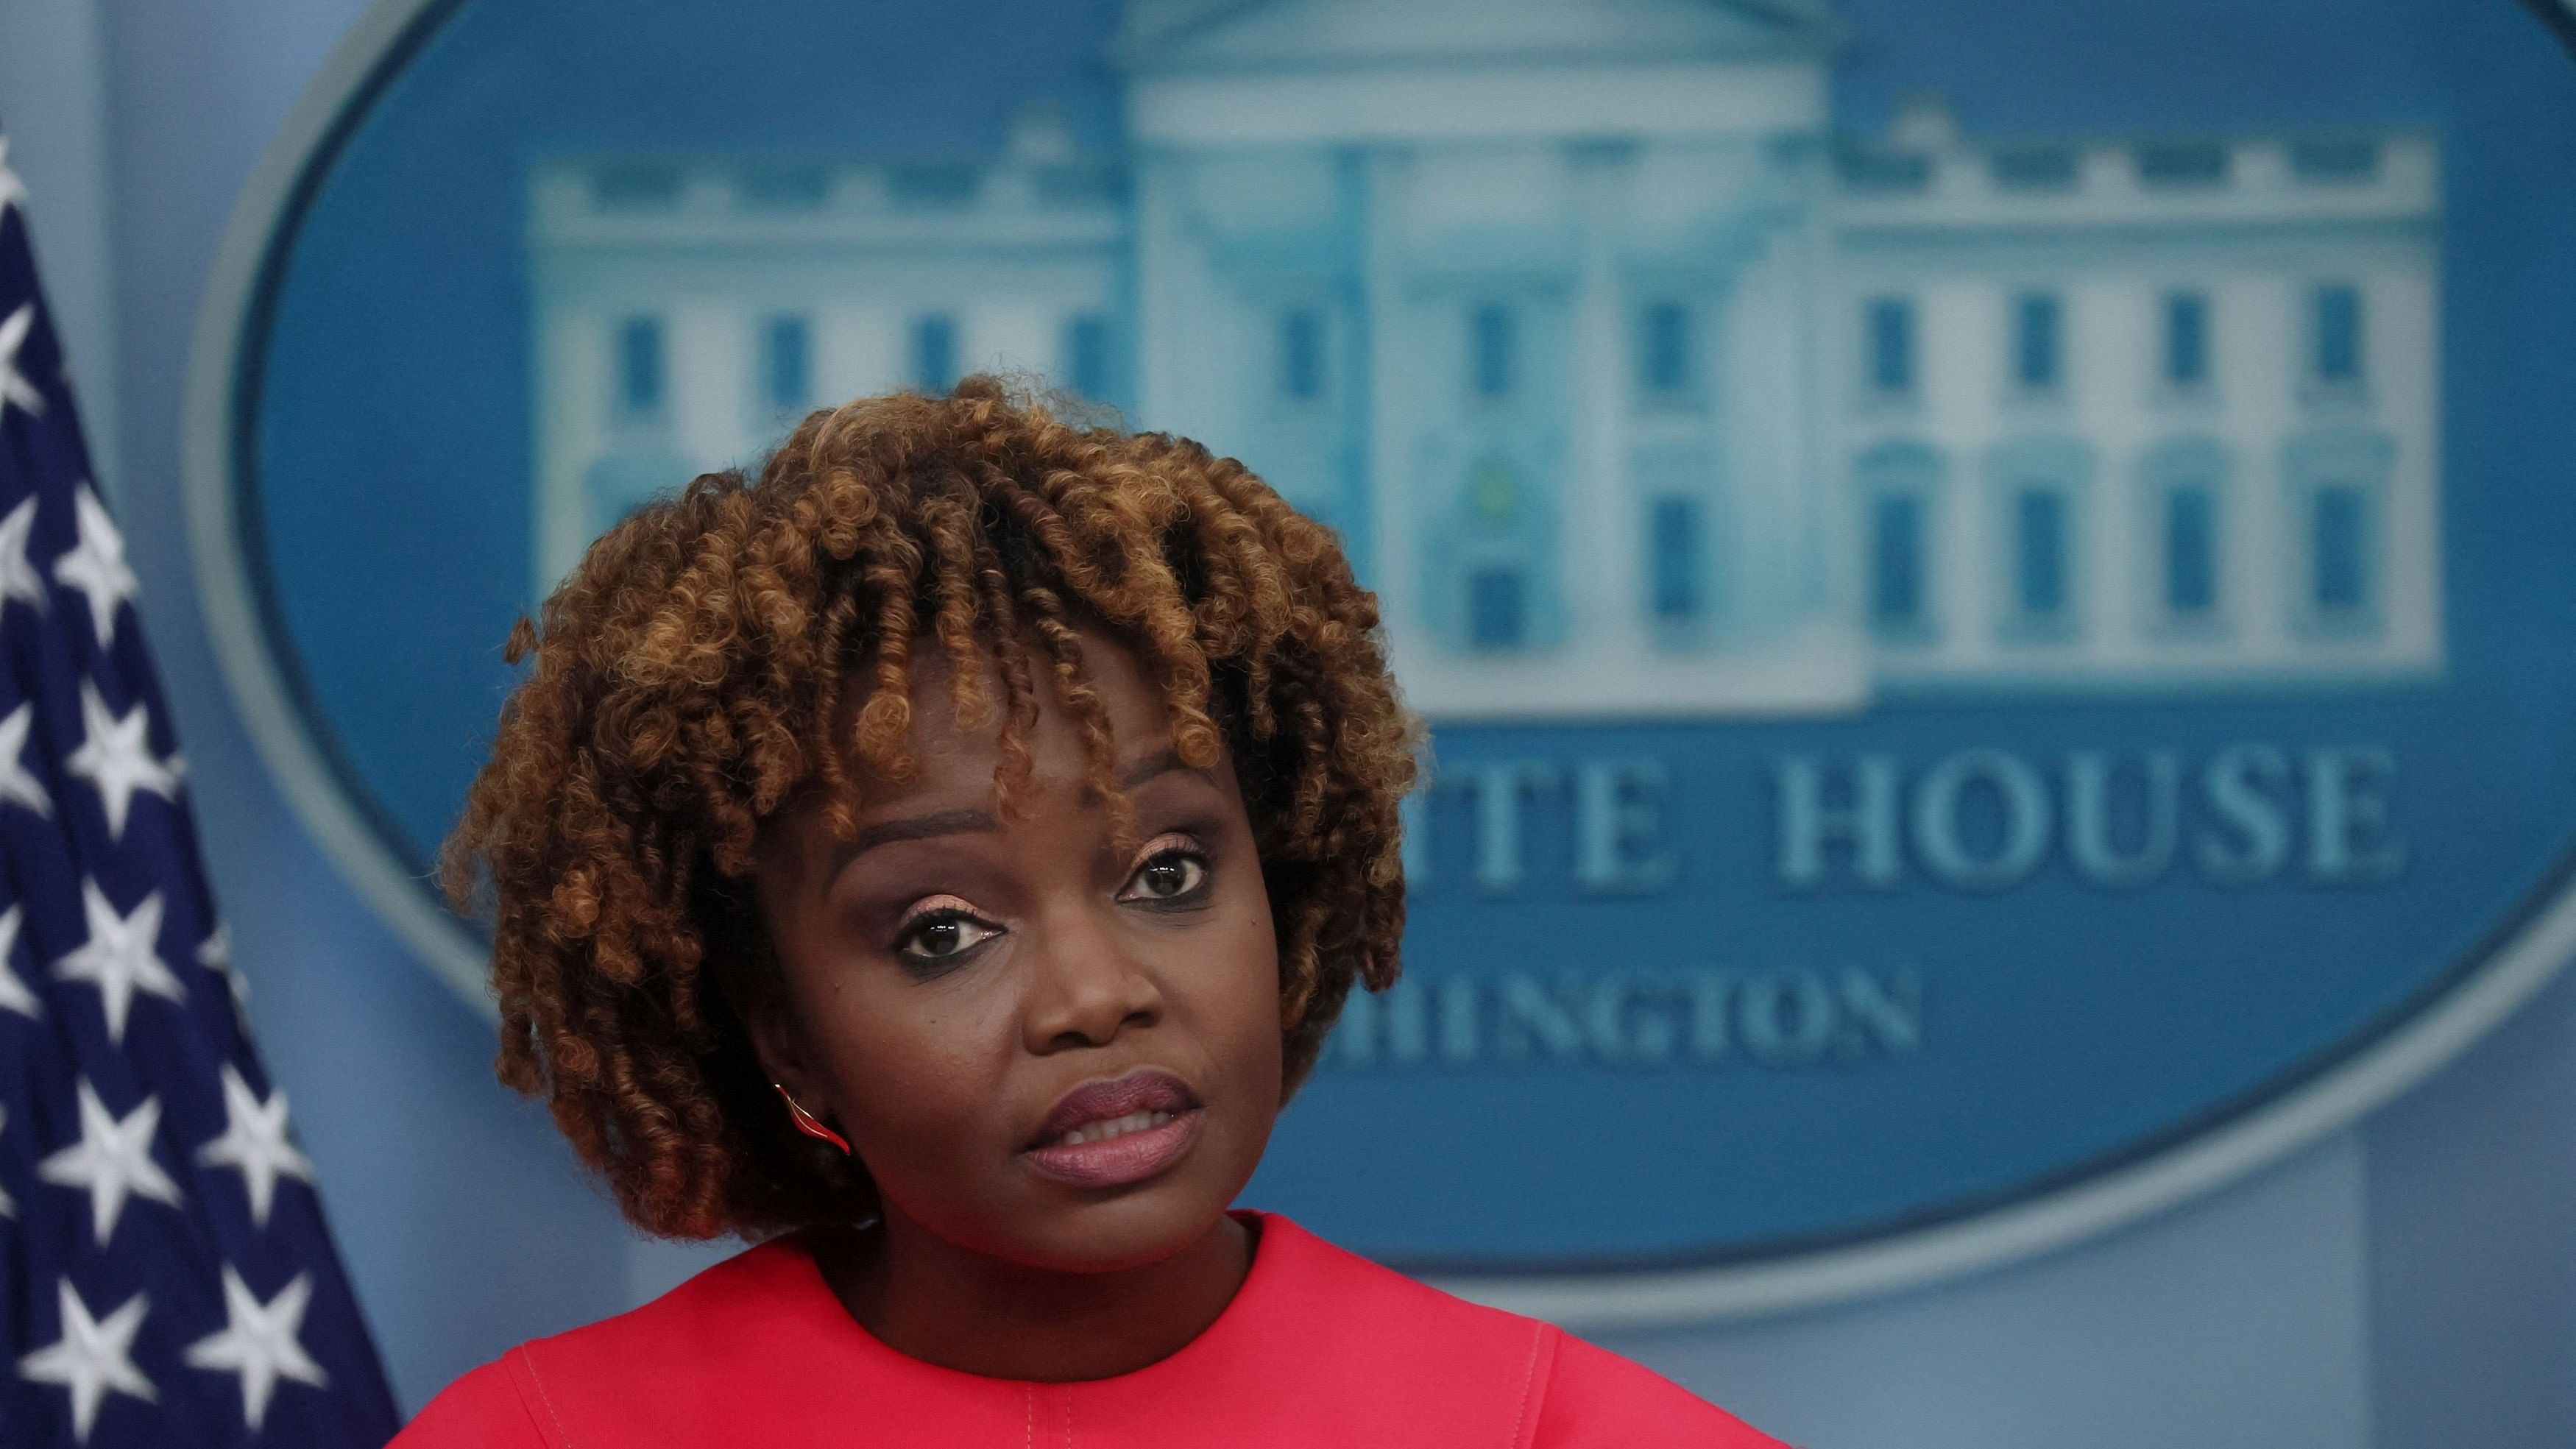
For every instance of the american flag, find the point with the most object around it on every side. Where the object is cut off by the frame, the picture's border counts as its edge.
(165, 1275)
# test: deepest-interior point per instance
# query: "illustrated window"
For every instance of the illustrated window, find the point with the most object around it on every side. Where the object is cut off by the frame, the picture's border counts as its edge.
(641, 384)
(1493, 344)
(2335, 335)
(1898, 484)
(1888, 338)
(1300, 367)
(1665, 366)
(786, 363)
(2038, 350)
(2186, 341)
(1497, 608)
(934, 352)
(1086, 355)
(1674, 549)
(2183, 502)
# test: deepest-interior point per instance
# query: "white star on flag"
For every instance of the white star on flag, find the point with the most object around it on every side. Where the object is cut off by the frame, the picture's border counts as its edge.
(113, 1159)
(8, 1208)
(258, 1343)
(19, 578)
(215, 953)
(115, 756)
(96, 565)
(15, 994)
(254, 1142)
(13, 192)
(18, 784)
(121, 956)
(14, 387)
(93, 1358)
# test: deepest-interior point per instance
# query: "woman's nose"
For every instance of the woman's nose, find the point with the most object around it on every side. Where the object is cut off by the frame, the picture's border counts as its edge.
(1086, 984)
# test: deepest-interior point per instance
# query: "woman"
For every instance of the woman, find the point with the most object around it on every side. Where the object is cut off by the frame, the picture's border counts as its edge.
(938, 861)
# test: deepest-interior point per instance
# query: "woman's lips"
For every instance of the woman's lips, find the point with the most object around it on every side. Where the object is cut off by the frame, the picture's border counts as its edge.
(1110, 1134)
(1131, 1156)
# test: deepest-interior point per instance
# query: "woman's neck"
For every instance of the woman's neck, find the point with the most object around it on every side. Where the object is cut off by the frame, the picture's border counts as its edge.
(932, 1300)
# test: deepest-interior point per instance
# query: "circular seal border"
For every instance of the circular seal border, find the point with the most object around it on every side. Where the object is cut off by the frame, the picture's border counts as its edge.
(2228, 1142)
(225, 361)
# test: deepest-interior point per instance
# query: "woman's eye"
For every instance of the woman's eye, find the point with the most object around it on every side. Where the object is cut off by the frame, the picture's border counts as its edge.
(1168, 875)
(944, 934)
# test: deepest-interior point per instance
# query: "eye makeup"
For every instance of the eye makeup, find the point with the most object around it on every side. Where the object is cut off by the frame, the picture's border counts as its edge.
(1172, 872)
(939, 932)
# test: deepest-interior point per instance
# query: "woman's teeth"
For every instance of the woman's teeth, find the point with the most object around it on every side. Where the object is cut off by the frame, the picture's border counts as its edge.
(1114, 1127)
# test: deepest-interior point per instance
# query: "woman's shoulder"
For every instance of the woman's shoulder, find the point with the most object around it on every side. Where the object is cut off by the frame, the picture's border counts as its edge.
(1597, 1400)
(487, 1407)
(1570, 1394)
(682, 1348)
(739, 1353)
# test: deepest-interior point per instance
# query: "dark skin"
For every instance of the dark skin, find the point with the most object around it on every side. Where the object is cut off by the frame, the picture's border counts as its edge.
(950, 975)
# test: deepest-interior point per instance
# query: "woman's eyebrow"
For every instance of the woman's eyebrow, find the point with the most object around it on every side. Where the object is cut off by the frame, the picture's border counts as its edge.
(1147, 768)
(916, 827)
(959, 822)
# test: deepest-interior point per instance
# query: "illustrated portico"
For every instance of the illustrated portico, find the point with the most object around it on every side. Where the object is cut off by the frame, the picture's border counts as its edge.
(1397, 254)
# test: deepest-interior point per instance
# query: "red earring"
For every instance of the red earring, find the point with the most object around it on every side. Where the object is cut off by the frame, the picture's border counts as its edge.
(807, 1123)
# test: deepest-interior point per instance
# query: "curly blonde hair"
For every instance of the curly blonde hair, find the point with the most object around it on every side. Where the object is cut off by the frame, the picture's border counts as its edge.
(724, 654)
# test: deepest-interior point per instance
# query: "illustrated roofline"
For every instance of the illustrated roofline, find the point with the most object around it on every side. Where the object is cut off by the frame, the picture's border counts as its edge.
(1879, 184)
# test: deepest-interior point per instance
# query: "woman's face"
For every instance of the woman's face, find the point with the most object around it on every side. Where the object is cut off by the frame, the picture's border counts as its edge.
(1044, 1048)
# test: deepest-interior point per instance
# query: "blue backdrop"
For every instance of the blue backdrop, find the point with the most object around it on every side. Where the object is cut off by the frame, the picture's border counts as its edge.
(2406, 1286)
(2063, 1027)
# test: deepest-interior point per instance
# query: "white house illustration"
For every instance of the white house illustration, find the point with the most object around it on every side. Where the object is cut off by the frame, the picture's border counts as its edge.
(1632, 383)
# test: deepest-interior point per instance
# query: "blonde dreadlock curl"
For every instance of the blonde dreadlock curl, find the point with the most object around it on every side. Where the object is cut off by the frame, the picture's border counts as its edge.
(721, 653)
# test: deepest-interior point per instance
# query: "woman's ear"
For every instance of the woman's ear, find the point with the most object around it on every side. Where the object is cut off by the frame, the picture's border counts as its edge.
(807, 1107)
(782, 1058)
(769, 1022)
(756, 990)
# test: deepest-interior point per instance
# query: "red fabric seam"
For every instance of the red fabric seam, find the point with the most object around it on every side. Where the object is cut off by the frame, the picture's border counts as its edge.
(1529, 1381)
(527, 1369)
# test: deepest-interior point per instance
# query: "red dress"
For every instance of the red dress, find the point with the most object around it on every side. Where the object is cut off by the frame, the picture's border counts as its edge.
(1318, 1348)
